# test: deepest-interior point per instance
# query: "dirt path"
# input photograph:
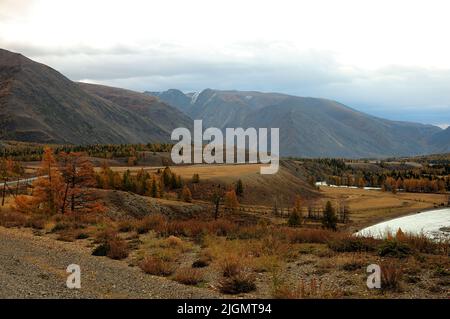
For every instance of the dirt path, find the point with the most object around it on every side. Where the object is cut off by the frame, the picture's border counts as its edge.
(35, 267)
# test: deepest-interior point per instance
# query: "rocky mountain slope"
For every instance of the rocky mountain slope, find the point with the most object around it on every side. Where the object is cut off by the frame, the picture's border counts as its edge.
(39, 104)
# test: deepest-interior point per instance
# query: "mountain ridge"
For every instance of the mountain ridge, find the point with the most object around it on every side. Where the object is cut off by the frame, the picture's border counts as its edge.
(39, 104)
(309, 127)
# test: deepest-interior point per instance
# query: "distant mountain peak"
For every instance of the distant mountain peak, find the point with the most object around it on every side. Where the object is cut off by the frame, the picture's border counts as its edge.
(311, 127)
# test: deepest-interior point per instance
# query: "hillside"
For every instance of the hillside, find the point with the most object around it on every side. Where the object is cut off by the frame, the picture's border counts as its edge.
(309, 127)
(153, 110)
(39, 104)
(441, 141)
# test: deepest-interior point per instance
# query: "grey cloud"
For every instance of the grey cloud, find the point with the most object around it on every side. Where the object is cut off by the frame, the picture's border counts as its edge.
(415, 94)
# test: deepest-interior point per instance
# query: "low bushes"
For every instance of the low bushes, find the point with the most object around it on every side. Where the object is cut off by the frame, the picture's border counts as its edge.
(111, 246)
(241, 282)
(394, 248)
(12, 219)
(349, 243)
(391, 275)
(156, 266)
(152, 222)
(304, 289)
(188, 276)
(309, 235)
(230, 266)
(196, 228)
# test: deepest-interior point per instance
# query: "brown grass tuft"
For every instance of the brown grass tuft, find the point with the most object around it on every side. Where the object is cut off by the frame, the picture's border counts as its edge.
(156, 266)
(12, 219)
(188, 276)
(242, 282)
(118, 248)
(391, 275)
(230, 266)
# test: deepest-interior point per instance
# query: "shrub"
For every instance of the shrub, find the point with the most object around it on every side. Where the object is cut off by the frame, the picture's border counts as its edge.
(394, 248)
(12, 219)
(301, 291)
(152, 222)
(125, 226)
(241, 283)
(174, 241)
(200, 263)
(112, 246)
(313, 236)
(203, 260)
(67, 236)
(349, 243)
(188, 276)
(61, 225)
(197, 228)
(186, 194)
(423, 244)
(294, 219)
(36, 222)
(391, 275)
(81, 235)
(353, 264)
(248, 232)
(156, 266)
(100, 250)
(230, 266)
(117, 248)
(105, 235)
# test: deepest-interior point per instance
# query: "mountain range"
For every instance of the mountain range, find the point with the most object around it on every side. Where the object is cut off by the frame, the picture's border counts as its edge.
(309, 127)
(39, 104)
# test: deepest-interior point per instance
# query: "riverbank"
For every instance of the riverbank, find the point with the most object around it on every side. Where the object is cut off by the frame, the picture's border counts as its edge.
(434, 224)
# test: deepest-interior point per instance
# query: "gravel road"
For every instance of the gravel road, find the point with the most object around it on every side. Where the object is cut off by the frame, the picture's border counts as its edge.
(35, 267)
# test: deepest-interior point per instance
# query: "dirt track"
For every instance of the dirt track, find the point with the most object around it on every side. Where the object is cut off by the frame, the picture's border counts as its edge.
(35, 267)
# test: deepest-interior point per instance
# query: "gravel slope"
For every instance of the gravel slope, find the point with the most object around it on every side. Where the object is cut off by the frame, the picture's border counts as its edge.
(35, 267)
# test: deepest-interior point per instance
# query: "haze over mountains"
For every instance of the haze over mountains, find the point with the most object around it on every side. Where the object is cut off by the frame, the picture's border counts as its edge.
(38, 104)
(309, 127)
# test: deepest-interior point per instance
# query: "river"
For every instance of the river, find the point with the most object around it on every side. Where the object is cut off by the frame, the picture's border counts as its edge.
(433, 224)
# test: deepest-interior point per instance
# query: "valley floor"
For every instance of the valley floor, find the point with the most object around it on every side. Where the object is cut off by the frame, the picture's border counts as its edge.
(33, 264)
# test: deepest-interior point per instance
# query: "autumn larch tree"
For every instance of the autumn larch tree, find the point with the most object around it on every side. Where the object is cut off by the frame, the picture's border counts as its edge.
(186, 194)
(296, 217)
(231, 201)
(154, 187)
(48, 188)
(79, 178)
(6, 168)
(329, 219)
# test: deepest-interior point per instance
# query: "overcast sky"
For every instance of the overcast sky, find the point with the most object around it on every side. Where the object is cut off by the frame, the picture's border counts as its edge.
(387, 58)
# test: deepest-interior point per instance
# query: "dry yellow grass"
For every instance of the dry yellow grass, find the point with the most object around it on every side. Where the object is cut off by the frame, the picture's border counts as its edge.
(205, 171)
(372, 206)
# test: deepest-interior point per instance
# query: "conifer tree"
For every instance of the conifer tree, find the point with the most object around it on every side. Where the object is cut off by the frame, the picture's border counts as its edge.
(329, 219)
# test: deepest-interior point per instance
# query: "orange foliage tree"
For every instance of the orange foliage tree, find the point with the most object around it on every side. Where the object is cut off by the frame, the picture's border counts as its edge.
(231, 201)
(62, 186)
(79, 177)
